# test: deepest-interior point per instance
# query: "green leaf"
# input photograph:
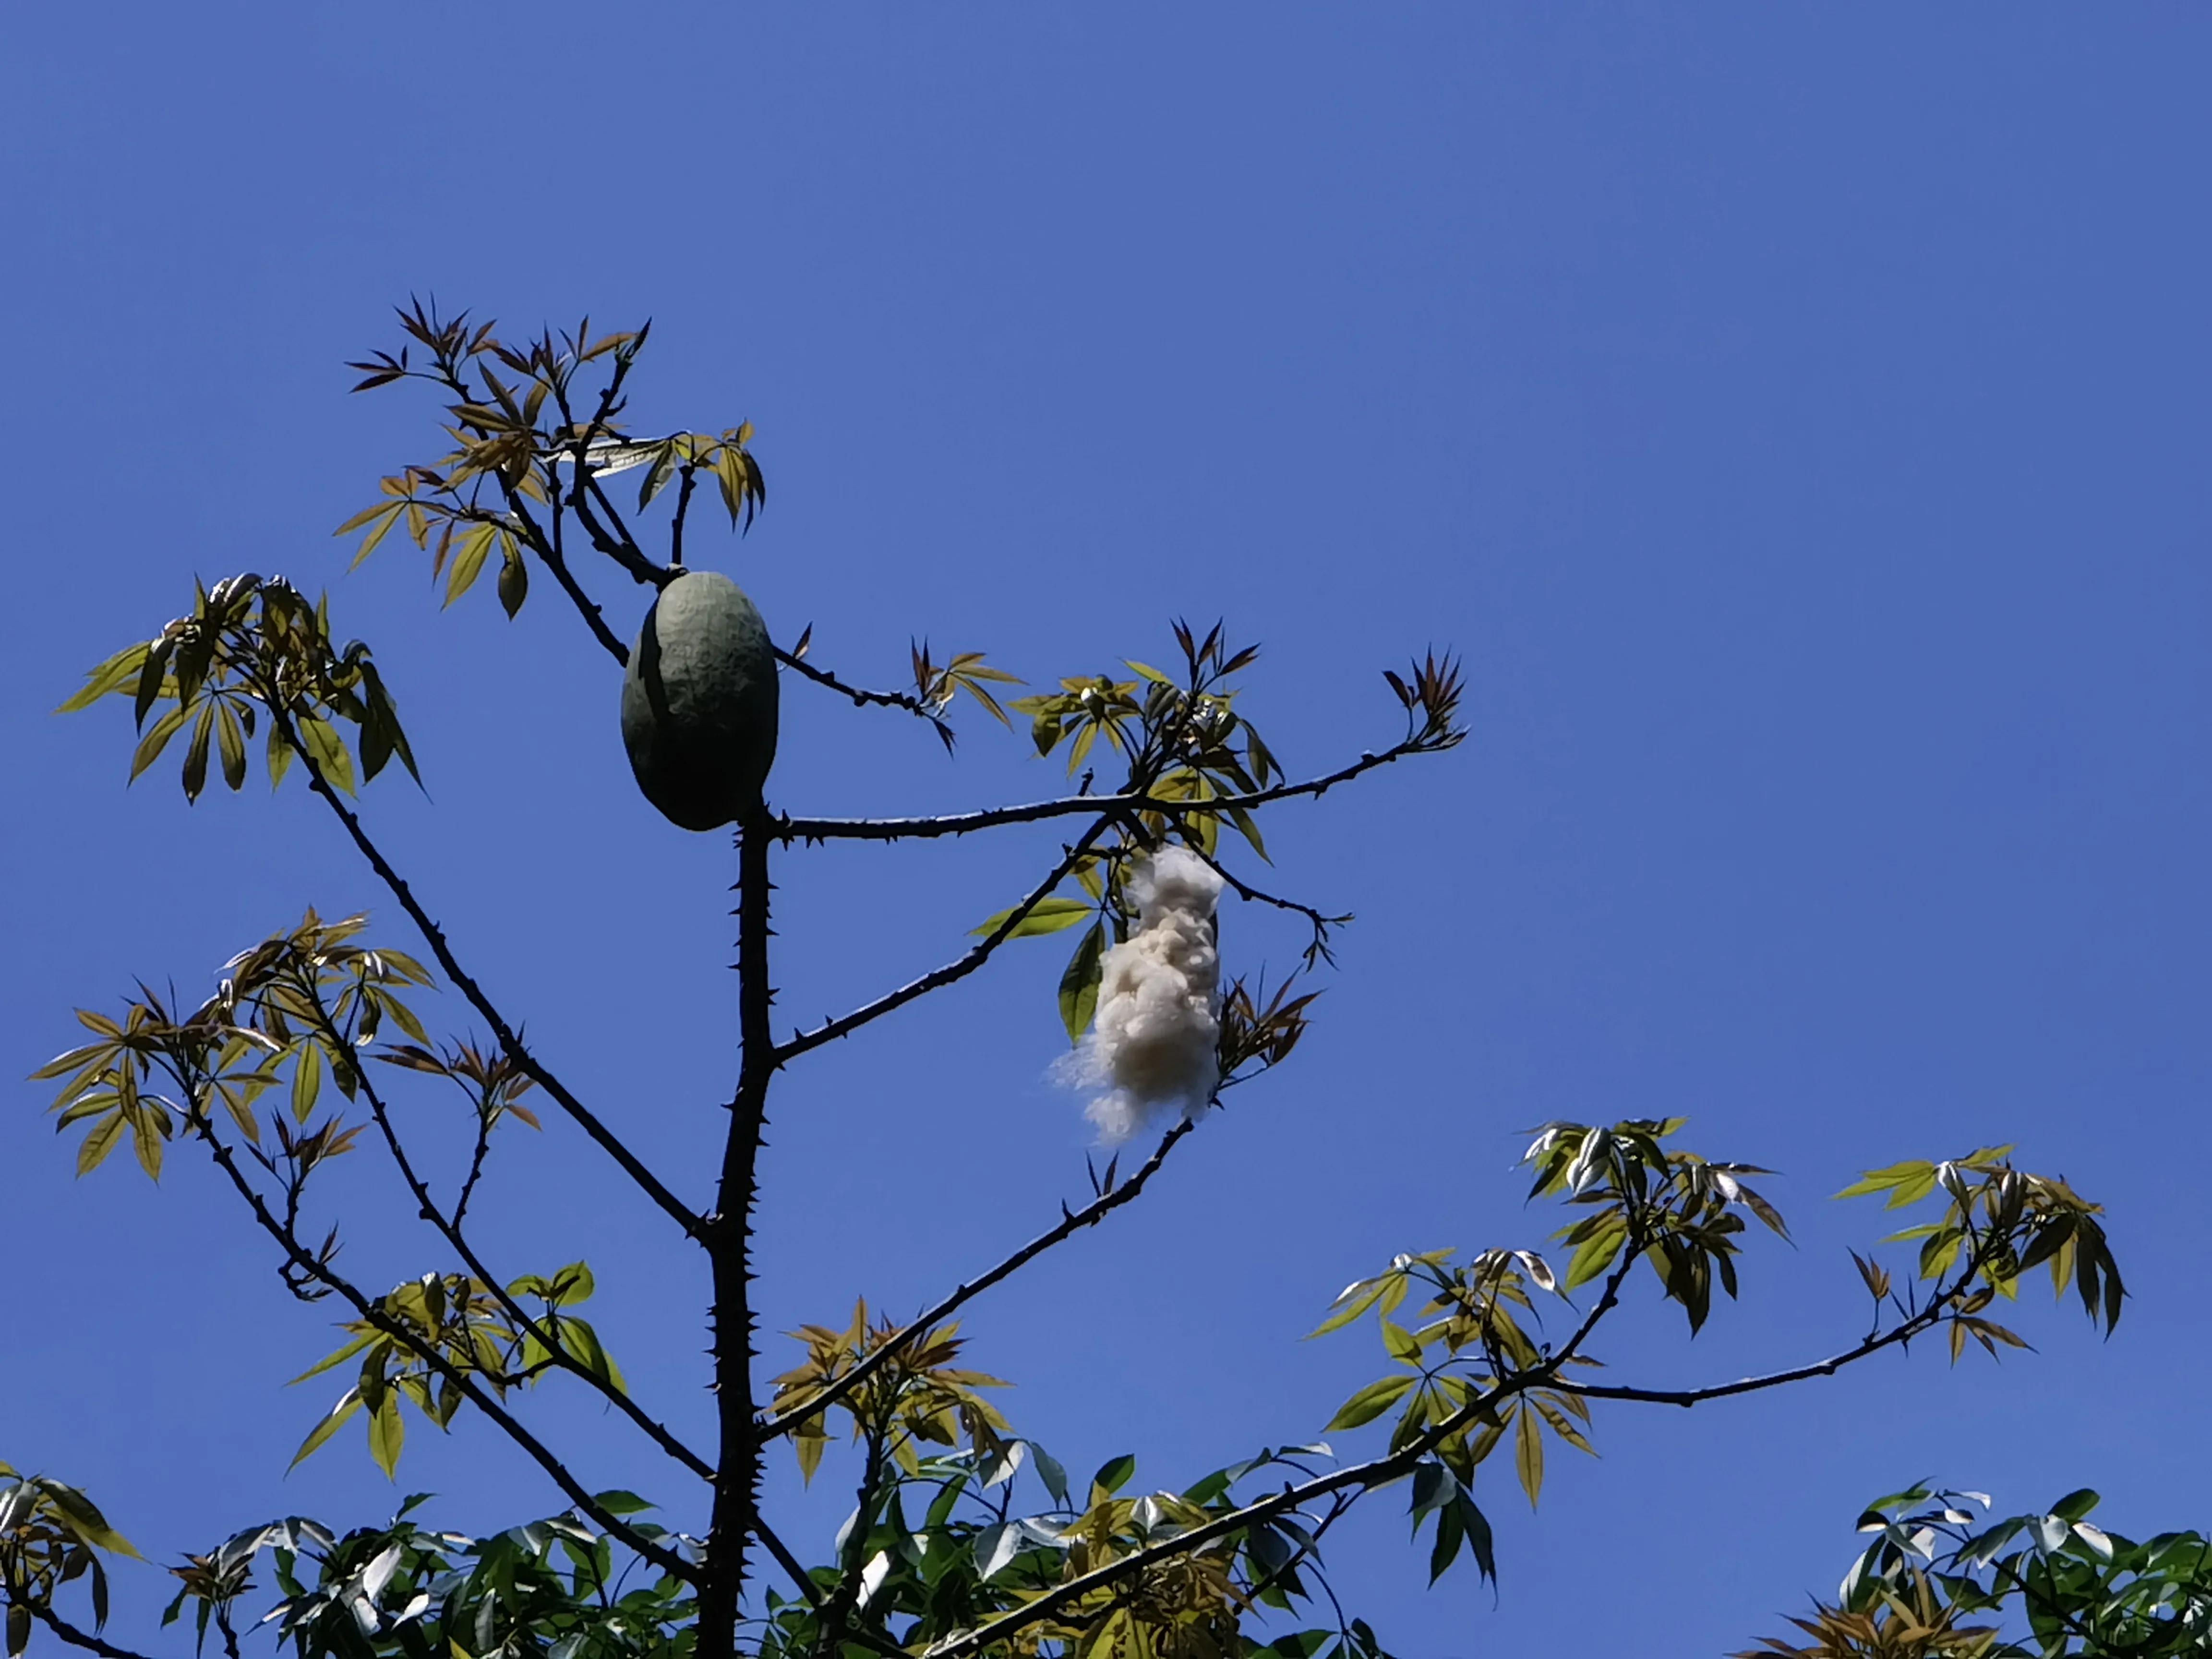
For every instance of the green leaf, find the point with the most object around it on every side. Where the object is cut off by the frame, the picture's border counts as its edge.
(1528, 1454)
(1113, 1475)
(230, 740)
(84, 1520)
(338, 1359)
(387, 1433)
(328, 751)
(513, 575)
(1370, 1402)
(468, 561)
(340, 1414)
(1356, 1300)
(99, 1143)
(157, 739)
(306, 1080)
(1595, 1253)
(1078, 984)
(572, 1285)
(110, 677)
(1047, 915)
(583, 1342)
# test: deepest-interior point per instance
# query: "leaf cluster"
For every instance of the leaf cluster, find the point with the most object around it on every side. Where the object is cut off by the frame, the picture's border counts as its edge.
(253, 650)
(1933, 1562)
(945, 1547)
(1681, 1212)
(557, 1588)
(51, 1533)
(293, 1009)
(918, 1398)
(475, 1332)
(540, 440)
(2001, 1223)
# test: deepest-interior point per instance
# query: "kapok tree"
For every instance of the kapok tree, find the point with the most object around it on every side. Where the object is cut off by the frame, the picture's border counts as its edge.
(966, 1538)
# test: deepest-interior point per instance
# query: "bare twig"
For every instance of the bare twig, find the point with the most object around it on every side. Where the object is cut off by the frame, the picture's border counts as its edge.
(509, 1039)
(1071, 1222)
(450, 1230)
(1244, 890)
(938, 978)
(861, 699)
(305, 1262)
(548, 551)
(963, 823)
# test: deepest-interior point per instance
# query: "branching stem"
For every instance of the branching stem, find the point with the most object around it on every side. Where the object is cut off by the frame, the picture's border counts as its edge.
(509, 1039)
(1071, 1222)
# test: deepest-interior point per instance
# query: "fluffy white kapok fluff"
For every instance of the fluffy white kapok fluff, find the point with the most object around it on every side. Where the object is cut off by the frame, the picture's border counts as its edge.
(1152, 1044)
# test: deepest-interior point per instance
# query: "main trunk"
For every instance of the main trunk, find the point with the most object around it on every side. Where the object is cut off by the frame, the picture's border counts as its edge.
(738, 1468)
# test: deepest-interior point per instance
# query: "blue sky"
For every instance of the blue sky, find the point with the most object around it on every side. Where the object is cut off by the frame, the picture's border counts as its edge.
(1795, 416)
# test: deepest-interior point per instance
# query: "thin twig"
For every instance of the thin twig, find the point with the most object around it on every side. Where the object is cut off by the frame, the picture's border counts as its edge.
(373, 1315)
(1071, 1222)
(1244, 890)
(861, 699)
(963, 823)
(1360, 1478)
(938, 978)
(509, 1040)
(550, 554)
(793, 1569)
(450, 1230)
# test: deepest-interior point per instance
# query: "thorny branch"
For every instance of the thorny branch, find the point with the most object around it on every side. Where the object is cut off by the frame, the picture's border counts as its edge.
(1071, 1222)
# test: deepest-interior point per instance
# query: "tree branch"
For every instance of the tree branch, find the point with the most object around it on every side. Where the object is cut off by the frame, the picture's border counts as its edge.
(736, 1517)
(548, 551)
(861, 699)
(509, 1040)
(938, 978)
(371, 1314)
(837, 1610)
(1320, 923)
(451, 1231)
(1070, 1223)
(76, 1637)
(1359, 1479)
(792, 828)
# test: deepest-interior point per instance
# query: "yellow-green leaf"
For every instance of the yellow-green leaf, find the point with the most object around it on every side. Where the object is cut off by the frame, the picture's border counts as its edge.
(1049, 915)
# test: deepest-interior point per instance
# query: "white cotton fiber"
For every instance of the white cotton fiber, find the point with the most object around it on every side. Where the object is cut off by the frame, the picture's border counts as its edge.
(1152, 1044)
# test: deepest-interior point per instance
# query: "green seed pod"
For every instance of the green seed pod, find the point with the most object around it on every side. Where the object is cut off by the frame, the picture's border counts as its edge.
(699, 703)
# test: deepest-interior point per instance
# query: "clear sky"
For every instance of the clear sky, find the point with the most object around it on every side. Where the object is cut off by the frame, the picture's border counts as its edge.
(1796, 416)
